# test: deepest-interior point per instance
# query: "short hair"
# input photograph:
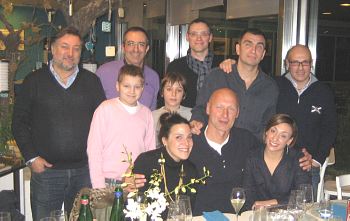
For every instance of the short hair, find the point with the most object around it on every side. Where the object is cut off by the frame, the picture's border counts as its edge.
(70, 30)
(136, 29)
(131, 70)
(167, 121)
(199, 20)
(280, 119)
(254, 31)
(295, 46)
(172, 78)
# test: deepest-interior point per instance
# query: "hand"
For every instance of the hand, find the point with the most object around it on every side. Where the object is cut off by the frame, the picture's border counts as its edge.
(39, 165)
(306, 160)
(135, 182)
(196, 127)
(226, 65)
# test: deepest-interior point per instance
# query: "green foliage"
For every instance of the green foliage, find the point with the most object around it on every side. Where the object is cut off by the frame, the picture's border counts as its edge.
(5, 125)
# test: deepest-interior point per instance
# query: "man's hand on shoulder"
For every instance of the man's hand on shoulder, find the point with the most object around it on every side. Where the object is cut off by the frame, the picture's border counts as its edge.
(39, 165)
(226, 65)
(196, 127)
(306, 160)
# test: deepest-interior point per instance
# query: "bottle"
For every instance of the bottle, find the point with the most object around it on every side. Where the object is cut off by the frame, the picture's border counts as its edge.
(85, 213)
(118, 205)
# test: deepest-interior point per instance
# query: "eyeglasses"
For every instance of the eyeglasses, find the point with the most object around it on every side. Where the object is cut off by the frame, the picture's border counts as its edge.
(194, 34)
(298, 63)
(133, 44)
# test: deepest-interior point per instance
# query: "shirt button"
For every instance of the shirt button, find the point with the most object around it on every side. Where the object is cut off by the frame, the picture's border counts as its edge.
(224, 166)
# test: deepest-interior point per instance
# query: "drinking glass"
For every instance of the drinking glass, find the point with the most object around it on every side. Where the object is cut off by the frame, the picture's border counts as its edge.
(237, 199)
(279, 213)
(295, 203)
(48, 219)
(185, 206)
(259, 214)
(308, 197)
(325, 209)
(59, 215)
(173, 212)
(5, 216)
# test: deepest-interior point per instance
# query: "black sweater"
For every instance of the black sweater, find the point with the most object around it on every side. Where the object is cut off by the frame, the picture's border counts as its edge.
(226, 169)
(316, 129)
(53, 122)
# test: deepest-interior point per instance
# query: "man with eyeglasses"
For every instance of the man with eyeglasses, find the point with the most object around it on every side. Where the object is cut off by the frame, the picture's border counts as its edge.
(135, 48)
(311, 103)
(198, 62)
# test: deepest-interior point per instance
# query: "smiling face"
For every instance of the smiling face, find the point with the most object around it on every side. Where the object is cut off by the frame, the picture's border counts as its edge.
(278, 137)
(223, 109)
(299, 64)
(251, 49)
(135, 47)
(173, 95)
(179, 142)
(199, 37)
(130, 89)
(66, 53)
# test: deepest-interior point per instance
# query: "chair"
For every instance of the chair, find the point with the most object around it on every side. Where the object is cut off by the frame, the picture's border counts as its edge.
(325, 189)
(343, 186)
(320, 192)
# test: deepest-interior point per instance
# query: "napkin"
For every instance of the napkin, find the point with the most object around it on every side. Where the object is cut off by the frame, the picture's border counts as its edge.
(215, 216)
(339, 210)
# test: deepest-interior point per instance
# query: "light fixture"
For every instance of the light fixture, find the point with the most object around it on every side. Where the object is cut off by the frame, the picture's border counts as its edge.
(345, 4)
(326, 13)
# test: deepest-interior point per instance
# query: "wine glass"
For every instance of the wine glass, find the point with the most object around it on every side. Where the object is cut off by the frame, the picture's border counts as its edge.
(325, 209)
(173, 212)
(185, 206)
(237, 199)
(308, 197)
(5, 216)
(59, 215)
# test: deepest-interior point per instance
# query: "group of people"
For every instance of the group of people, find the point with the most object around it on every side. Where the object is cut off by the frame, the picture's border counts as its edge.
(247, 128)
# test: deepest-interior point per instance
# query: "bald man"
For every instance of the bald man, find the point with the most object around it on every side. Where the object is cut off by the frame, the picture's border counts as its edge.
(223, 150)
(311, 103)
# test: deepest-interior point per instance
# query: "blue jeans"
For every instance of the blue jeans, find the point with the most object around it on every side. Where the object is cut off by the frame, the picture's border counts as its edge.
(315, 173)
(49, 189)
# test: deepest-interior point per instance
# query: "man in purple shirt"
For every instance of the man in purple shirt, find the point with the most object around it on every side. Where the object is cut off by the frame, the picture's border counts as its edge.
(135, 48)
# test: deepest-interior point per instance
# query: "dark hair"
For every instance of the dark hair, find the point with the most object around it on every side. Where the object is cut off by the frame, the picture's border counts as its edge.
(280, 119)
(198, 20)
(131, 70)
(172, 78)
(136, 29)
(254, 31)
(167, 121)
(70, 30)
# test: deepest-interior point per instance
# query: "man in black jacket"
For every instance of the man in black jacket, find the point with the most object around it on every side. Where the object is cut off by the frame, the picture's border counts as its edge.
(51, 122)
(311, 103)
(198, 62)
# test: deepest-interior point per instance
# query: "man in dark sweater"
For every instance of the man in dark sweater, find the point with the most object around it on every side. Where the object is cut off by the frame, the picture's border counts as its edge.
(195, 66)
(51, 121)
(223, 149)
(311, 103)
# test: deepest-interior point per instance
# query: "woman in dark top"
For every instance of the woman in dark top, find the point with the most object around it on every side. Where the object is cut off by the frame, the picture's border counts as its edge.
(176, 137)
(272, 172)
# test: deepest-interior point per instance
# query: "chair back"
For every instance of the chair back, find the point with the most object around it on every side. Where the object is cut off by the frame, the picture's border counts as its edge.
(321, 183)
(331, 157)
(341, 181)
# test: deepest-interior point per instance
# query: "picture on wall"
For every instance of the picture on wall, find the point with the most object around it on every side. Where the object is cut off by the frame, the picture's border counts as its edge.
(220, 45)
(234, 41)
(5, 32)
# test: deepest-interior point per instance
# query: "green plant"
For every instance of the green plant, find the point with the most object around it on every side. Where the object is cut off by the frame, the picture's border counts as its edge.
(5, 125)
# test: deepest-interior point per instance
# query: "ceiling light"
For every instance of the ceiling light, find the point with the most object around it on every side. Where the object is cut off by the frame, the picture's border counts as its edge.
(326, 13)
(345, 4)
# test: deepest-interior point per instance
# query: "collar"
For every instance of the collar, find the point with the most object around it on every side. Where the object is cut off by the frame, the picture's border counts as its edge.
(170, 161)
(207, 58)
(216, 146)
(70, 79)
(312, 80)
(129, 109)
